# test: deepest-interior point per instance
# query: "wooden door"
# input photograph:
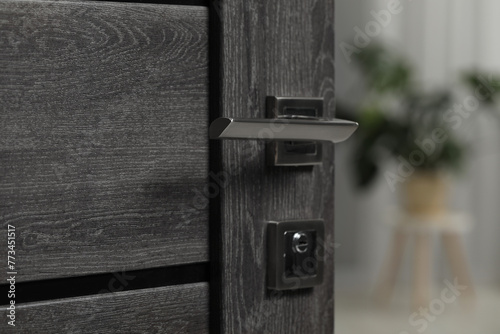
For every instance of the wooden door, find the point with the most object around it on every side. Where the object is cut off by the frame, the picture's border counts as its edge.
(103, 120)
(125, 217)
(269, 48)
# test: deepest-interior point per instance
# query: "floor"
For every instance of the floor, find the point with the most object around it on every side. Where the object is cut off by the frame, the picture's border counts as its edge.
(357, 313)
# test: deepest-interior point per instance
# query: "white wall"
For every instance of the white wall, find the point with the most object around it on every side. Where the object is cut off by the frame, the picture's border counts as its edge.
(442, 37)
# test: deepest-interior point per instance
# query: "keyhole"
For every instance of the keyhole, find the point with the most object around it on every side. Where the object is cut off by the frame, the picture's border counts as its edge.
(300, 242)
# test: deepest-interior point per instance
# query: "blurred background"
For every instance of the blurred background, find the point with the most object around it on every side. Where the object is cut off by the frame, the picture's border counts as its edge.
(404, 69)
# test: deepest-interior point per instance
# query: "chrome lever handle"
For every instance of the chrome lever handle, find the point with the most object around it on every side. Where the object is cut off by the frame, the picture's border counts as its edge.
(334, 131)
(295, 127)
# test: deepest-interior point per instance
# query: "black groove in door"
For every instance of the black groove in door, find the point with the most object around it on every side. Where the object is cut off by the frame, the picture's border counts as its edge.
(105, 283)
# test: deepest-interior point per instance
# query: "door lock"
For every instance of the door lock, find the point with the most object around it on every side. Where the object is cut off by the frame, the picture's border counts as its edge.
(300, 242)
(295, 254)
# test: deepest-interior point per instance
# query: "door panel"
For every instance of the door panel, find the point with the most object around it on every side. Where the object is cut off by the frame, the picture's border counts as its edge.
(103, 147)
(176, 309)
(104, 158)
(271, 48)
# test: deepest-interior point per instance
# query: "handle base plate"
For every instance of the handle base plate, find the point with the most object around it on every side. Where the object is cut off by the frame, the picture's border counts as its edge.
(294, 153)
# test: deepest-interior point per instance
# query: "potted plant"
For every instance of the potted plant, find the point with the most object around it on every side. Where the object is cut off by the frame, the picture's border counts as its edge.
(401, 122)
(485, 87)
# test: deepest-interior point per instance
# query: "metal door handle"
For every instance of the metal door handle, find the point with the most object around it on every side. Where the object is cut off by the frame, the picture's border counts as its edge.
(294, 129)
(295, 126)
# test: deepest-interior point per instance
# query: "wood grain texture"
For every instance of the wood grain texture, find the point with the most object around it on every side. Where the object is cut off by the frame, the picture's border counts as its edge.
(176, 309)
(103, 146)
(281, 48)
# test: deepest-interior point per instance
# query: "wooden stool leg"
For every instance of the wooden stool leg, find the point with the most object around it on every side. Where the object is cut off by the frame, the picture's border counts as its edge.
(458, 262)
(422, 270)
(390, 268)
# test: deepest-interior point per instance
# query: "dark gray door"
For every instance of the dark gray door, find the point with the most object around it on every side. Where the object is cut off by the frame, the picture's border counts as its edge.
(270, 48)
(103, 121)
(125, 217)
